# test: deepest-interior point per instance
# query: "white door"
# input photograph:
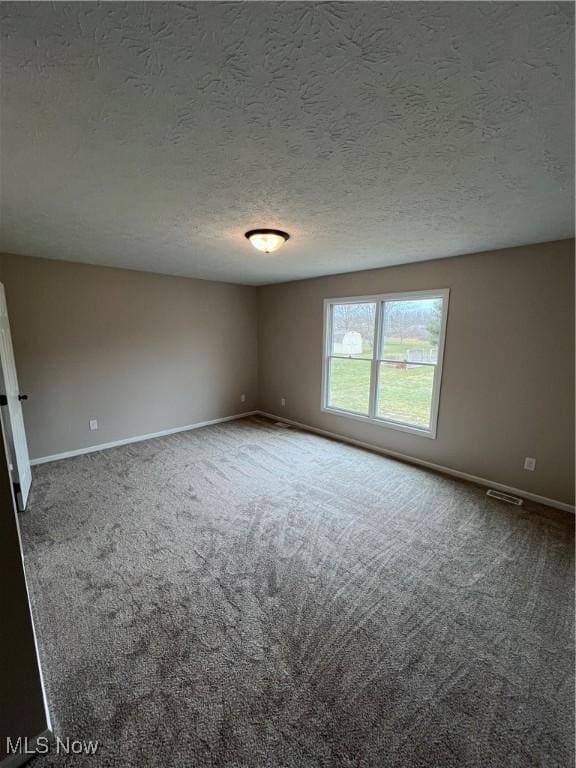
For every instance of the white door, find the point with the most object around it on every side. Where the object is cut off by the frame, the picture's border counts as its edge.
(11, 410)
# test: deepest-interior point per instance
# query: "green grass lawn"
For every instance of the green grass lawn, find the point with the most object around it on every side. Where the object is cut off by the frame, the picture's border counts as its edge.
(404, 394)
(397, 348)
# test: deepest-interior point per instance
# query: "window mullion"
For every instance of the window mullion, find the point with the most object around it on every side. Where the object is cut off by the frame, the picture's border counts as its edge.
(327, 354)
(374, 363)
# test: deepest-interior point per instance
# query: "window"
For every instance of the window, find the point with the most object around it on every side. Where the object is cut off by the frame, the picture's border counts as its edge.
(383, 359)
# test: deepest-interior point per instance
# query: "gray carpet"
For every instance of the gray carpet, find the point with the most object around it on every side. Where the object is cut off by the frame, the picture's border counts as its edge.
(246, 595)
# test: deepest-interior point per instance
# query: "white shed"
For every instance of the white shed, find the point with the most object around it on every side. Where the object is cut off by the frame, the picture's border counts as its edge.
(349, 343)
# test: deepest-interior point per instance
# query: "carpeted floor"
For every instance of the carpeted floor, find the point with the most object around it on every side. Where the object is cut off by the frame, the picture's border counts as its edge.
(246, 595)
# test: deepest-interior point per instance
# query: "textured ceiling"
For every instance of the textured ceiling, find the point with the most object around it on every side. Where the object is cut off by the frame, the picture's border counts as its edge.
(151, 136)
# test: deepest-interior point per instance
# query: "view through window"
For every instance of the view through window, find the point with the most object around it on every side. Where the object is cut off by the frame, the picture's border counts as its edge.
(383, 358)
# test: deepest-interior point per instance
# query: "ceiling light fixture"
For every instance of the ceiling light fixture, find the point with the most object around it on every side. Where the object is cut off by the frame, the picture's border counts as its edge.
(267, 240)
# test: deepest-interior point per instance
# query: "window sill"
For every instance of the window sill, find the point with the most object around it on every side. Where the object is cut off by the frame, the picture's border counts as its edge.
(429, 433)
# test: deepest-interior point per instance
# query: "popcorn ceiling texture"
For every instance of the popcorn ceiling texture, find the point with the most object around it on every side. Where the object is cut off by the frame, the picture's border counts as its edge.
(151, 136)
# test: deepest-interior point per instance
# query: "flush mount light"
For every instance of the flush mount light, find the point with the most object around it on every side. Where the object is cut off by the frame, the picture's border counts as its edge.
(267, 240)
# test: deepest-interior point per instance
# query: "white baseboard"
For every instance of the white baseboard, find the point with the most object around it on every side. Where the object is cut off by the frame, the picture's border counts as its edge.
(15, 761)
(428, 464)
(334, 436)
(138, 438)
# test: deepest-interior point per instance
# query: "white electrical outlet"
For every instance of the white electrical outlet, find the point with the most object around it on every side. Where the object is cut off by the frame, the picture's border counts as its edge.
(283, 402)
(93, 424)
(529, 464)
(242, 398)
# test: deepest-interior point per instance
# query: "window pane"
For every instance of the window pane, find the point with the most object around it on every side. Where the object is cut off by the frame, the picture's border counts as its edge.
(405, 393)
(411, 330)
(353, 329)
(349, 384)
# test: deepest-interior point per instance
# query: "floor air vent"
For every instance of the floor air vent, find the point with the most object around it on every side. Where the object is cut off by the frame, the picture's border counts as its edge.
(505, 497)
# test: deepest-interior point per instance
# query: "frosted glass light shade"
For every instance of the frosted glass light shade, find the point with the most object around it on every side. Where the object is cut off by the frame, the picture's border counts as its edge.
(267, 240)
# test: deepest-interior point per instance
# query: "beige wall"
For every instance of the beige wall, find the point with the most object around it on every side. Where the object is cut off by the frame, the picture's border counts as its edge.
(508, 380)
(139, 352)
(143, 352)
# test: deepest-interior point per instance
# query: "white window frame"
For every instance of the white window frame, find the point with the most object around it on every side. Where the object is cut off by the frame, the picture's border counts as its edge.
(379, 300)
